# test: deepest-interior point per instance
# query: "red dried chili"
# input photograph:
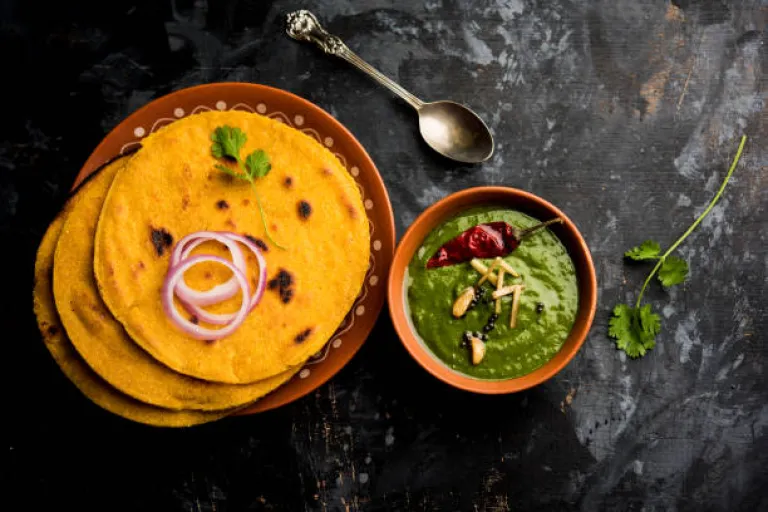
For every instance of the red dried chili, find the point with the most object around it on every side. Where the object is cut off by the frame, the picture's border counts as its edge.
(483, 241)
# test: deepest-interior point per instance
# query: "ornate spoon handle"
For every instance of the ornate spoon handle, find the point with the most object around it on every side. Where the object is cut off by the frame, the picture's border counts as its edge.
(303, 26)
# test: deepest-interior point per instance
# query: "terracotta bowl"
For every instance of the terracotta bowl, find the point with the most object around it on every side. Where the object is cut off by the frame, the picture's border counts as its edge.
(516, 200)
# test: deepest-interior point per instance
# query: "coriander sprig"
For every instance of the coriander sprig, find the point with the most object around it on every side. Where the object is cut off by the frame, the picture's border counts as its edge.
(635, 328)
(227, 143)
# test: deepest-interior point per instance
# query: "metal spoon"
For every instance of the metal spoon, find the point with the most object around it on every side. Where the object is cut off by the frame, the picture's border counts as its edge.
(449, 128)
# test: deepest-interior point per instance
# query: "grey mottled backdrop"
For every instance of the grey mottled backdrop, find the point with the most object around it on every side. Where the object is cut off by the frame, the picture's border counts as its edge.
(624, 113)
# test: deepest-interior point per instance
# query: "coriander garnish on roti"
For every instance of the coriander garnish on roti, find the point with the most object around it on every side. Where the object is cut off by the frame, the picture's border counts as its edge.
(227, 144)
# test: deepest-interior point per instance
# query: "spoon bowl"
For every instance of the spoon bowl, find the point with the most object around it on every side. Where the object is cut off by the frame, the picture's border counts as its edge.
(455, 131)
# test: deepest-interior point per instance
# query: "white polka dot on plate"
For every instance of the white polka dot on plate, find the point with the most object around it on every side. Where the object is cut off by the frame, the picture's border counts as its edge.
(374, 280)
(377, 245)
(299, 120)
(354, 171)
(261, 108)
(303, 374)
(336, 343)
(328, 142)
(139, 131)
(179, 112)
(368, 204)
(360, 311)
(221, 105)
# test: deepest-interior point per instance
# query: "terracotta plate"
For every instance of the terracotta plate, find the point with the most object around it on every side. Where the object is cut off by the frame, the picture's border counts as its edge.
(315, 122)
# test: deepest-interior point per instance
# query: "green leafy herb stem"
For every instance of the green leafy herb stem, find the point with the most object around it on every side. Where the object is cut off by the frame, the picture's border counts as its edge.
(635, 328)
(227, 144)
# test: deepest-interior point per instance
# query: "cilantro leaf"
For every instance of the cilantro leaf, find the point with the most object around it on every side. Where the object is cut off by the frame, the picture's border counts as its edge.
(650, 323)
(648, 250)
(622, 328)
(634, 329)
(225, 169)
(673, 271)
(227, 142)
(257, 164)
(620, 324)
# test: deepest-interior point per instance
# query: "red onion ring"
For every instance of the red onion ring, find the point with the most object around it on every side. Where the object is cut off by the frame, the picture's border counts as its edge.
(218, 293)
(176, 275)
(190, 242)
(261, 284)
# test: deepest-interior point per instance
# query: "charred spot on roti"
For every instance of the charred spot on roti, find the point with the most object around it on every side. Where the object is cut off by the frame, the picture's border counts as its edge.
(284, 278)
(261, 244)
(194, 319)
(97, 309)
(327, 171)
(137, 268)
(305, 209)
(230, 223)
(283, 284)
(161, 240)
(88, 311)
(184, 201)
(288, 182)
(351, 210)
(221, 204)
(303, 335)
(246, 202)
(52, 330)
(208, 275)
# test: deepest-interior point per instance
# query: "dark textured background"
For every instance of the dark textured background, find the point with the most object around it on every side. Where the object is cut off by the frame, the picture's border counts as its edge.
(624, 113)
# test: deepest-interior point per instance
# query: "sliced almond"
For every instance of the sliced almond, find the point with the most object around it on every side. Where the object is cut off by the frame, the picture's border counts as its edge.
(479, 266)
(478, 349)
(508, 269)
(507, 290)
(499, 286)
(483, 269)
(462, 303)
(488, 273)
(515, 305)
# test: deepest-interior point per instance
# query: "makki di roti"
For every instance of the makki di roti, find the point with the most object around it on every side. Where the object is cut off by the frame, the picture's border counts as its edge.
(171, 188)
(101, 340)
(73, 366)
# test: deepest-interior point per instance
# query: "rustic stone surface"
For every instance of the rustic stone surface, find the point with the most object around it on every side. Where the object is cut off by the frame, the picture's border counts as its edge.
(625, 114)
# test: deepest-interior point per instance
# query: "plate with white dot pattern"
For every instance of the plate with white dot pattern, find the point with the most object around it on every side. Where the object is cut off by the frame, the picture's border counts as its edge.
(310, 119)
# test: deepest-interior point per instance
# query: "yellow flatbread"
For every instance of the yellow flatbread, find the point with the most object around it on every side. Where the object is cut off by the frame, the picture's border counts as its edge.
(101, 340)
(171, 188)
(76, 370)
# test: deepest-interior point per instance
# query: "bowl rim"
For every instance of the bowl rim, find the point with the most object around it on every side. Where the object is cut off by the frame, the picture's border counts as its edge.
(441, 211)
